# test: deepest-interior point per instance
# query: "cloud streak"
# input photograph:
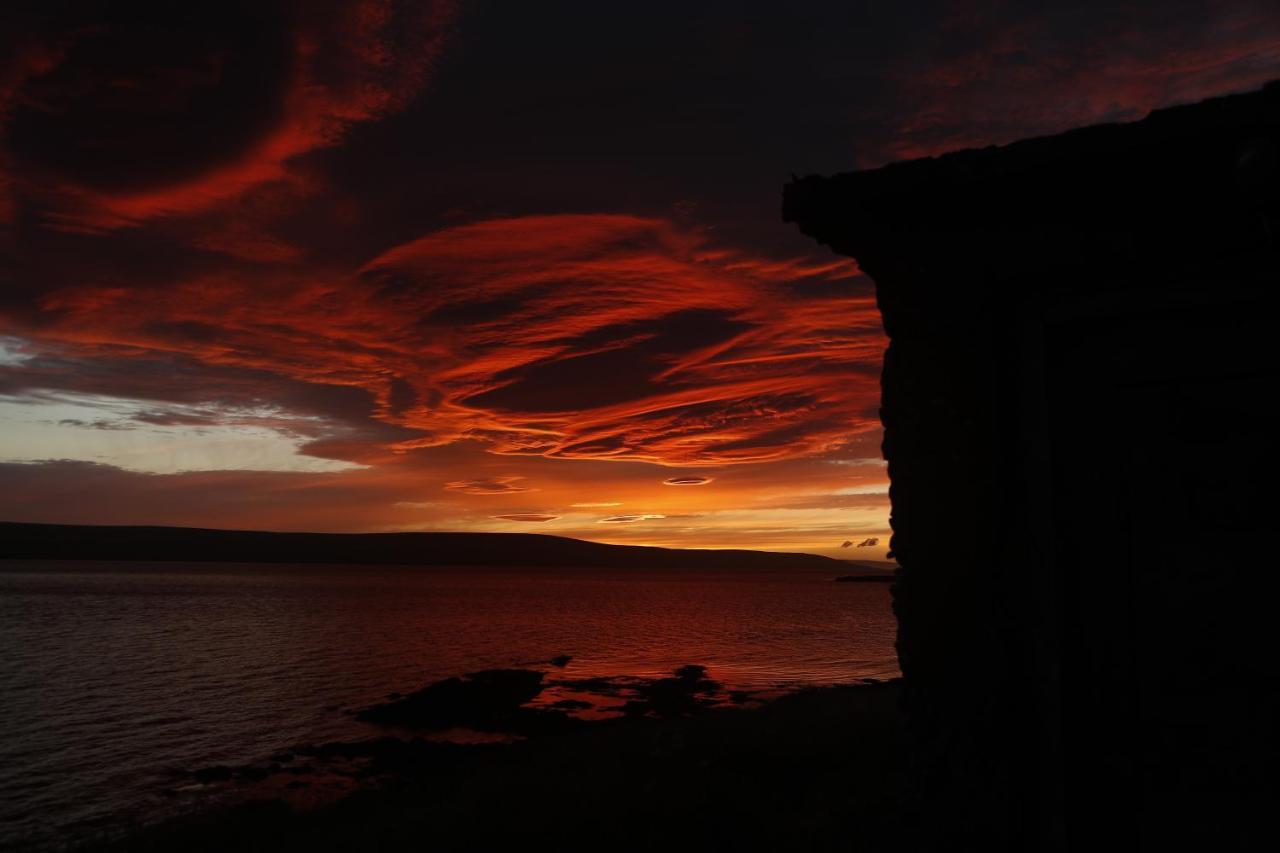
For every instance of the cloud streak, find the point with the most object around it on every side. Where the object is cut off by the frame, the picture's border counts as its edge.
(579, 337)
(129, 112)
(632, 519)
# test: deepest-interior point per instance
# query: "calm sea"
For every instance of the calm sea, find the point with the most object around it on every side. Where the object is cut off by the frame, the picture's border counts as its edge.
(117, 678)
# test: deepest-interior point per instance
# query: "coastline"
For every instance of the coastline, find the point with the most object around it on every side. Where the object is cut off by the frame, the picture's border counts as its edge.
(811, 769)
(237, 667)
(24, 541)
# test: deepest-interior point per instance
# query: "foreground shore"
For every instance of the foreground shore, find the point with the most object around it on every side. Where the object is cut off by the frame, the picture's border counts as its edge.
(821, 769)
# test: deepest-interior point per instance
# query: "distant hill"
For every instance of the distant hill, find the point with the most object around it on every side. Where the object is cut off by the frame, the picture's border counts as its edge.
(872, 566)
(190, 544)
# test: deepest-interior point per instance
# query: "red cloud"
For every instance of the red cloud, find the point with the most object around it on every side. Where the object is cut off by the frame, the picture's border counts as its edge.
(139, 112)
(604, 337)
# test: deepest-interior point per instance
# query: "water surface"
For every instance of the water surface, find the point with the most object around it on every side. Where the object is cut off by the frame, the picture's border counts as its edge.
(118, 678)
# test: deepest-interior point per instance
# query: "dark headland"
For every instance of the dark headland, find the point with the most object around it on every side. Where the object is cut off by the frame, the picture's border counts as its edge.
(189, 544)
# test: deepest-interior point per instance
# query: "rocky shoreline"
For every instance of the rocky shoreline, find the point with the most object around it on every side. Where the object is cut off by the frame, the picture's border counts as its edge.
(499, 758)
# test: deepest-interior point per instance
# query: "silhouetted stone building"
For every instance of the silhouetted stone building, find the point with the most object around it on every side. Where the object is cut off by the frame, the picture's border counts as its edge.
(1079, 411)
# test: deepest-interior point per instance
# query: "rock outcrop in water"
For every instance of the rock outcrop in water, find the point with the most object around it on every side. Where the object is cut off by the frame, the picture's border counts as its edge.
(687, 692)
(489, 700)
(807, 771)
(497, 700)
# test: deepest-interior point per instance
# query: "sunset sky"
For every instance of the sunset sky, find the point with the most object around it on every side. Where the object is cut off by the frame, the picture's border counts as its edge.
(371, 266)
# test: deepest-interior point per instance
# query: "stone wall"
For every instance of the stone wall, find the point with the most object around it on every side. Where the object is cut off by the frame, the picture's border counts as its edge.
(1052, 307)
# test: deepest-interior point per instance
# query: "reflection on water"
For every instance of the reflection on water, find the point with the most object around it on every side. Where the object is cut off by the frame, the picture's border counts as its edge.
(116, 678)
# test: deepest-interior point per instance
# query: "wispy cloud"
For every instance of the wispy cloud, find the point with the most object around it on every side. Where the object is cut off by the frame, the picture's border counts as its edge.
(584, 337)
(525, 516)
(631, 519)
(123, 117)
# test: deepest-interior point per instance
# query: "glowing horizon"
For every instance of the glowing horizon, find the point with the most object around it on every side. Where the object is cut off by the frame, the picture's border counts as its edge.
(386, 266)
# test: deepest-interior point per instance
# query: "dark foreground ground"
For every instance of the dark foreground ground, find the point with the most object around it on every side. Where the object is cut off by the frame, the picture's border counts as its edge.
(821, 769)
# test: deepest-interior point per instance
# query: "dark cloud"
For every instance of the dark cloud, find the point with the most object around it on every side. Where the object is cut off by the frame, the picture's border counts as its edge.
(115, 113)
(687, 481)
(173, 389)
(140, 96)
(70, 492)
(1000, 70)
(97, 424)
(525, 516)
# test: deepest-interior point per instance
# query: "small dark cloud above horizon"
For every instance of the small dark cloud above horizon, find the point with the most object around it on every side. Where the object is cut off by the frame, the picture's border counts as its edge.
(96, 424)
(687, 481)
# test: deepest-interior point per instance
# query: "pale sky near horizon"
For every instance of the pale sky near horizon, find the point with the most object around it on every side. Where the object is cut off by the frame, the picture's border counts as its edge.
(498, 267)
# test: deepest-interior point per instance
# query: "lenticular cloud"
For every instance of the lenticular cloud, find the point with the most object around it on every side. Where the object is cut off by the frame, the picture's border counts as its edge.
(586, 337)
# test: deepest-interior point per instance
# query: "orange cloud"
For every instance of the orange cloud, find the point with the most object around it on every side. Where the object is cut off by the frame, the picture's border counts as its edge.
(773, 506)
(631, 519)
(599, 337)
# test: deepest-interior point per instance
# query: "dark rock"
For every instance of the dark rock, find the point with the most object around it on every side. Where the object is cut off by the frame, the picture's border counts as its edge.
(691, 672)
(254, 773)
(685, 694)
(532, 722)
(599, 685)
(352, 749)
(561, 660)
(477, 700)
(571, 705)
(217, 773)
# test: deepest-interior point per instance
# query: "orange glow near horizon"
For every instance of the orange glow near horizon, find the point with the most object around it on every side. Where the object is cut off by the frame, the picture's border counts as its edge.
(398, 266)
